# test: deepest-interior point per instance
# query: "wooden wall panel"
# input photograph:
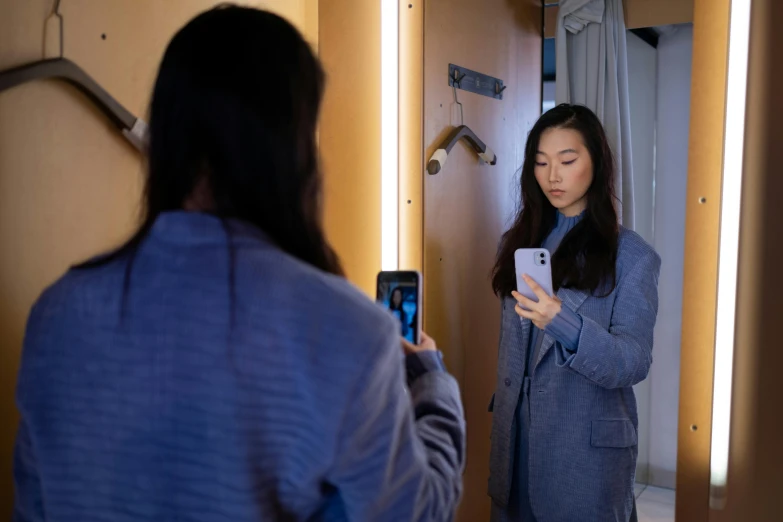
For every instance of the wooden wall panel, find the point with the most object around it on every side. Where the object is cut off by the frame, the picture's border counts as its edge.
(638, 14)
(755, 479)
(705, 162)
(651, 13)
(550, 22)
(69, 184)
(468, 205)
(350, 134)
(411, 134)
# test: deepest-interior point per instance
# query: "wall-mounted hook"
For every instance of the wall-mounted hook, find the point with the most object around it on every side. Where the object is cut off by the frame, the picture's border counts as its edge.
(458, 77)
(478, 83)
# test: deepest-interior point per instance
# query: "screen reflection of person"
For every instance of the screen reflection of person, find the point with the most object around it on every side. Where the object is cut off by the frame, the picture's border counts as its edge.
(564, 427)
(395, 305)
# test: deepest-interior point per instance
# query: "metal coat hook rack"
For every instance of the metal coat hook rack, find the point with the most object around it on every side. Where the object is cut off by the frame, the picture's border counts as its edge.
(441, 154)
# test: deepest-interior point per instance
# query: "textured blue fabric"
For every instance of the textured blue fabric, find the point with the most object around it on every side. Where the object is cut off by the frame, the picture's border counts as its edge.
(420, 363)
(563, 226)
(583, 418)
(239, 384)
(519, 500)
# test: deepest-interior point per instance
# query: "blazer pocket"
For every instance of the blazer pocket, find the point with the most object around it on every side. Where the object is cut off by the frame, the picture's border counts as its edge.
(491, 406)
(613, 434)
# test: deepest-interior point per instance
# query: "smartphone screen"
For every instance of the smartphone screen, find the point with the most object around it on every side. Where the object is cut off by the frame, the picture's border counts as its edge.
(400, 293)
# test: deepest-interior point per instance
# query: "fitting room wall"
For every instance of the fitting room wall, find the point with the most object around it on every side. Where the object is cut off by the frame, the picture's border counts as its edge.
(467, 205)
(702, 226)
(755, 478)
(69, 184)
(350, 134)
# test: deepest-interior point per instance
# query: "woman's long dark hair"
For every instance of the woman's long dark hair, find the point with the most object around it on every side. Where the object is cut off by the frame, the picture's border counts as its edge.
(585, 259)
(234, 111)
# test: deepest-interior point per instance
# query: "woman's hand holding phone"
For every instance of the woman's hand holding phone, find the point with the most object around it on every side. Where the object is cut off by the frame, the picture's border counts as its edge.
(427, 344)
(540, 313)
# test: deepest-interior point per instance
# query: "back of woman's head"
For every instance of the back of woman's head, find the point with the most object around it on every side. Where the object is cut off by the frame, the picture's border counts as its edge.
(233, 128)
(585, 259)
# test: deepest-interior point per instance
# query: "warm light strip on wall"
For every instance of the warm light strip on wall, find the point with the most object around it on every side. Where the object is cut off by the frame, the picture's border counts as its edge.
(733, 145)
(390, 23)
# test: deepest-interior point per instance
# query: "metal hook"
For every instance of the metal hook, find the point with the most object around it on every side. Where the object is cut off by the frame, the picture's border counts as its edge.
(498, 89)
(461, 112)
(458, 77)
(56, 14)
(456, 83)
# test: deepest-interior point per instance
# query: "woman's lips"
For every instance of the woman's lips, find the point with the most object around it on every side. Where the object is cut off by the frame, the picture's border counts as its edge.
(556, 193)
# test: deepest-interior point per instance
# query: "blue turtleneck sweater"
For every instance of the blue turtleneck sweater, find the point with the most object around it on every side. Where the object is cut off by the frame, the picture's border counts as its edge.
(565, 328)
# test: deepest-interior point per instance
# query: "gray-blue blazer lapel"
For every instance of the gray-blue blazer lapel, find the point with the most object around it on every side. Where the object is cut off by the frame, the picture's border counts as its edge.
(520, 339)
(573, 299)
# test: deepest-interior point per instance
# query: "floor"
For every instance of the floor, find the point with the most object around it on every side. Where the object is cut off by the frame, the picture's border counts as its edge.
(654, 504)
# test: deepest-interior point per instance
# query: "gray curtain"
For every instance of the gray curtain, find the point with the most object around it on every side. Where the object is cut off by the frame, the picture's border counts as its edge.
(592, 70)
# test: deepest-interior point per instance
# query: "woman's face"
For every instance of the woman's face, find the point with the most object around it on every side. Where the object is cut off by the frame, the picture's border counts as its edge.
(564, 170)
(396, 298)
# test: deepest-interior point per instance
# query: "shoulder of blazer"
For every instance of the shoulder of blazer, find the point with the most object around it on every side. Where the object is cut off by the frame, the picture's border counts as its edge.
(632, 248)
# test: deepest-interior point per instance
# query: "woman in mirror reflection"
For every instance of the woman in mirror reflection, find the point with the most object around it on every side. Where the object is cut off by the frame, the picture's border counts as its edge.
(564, 430)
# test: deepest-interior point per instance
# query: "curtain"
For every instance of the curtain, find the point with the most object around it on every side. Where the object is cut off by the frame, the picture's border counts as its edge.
(592, 70)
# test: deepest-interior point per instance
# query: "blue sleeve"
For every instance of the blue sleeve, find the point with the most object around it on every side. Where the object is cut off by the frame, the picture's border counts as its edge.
(565, 328)
(621, 356)
(402, 450)
(28, 499)
(418, 364)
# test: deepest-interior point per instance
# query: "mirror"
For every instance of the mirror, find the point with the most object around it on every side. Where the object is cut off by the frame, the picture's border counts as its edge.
(470, 204)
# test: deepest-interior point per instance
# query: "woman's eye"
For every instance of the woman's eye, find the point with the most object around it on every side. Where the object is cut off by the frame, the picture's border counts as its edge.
(539, 164)
(569, 162)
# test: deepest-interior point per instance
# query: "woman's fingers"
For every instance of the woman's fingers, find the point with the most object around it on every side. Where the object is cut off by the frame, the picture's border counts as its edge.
(526, 314)
(407, 347)
(535, 287)
(524, 301)
(426, 342)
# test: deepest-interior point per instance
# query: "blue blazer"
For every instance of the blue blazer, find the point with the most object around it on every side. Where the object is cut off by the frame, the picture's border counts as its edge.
(583, 435)
(227, 382)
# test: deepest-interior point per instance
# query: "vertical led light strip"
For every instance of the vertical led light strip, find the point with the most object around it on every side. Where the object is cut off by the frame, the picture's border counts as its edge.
(733, 145)
(390, 24)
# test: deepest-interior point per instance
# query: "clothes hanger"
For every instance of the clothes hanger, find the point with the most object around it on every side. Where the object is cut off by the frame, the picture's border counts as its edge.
(438, 159)
(133, 129)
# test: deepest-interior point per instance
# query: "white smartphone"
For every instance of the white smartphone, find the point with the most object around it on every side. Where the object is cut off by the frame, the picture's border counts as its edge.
(400, 292)
(536, 263)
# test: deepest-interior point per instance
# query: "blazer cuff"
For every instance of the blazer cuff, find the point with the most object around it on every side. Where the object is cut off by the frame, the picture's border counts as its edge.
(565, 328)
(420, 363)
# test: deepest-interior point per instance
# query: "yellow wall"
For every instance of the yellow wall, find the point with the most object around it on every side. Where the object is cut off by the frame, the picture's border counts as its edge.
(638, 14)
(705, 161)
(755, 480)
(350, 134)
(69, 185)
(651, 13)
